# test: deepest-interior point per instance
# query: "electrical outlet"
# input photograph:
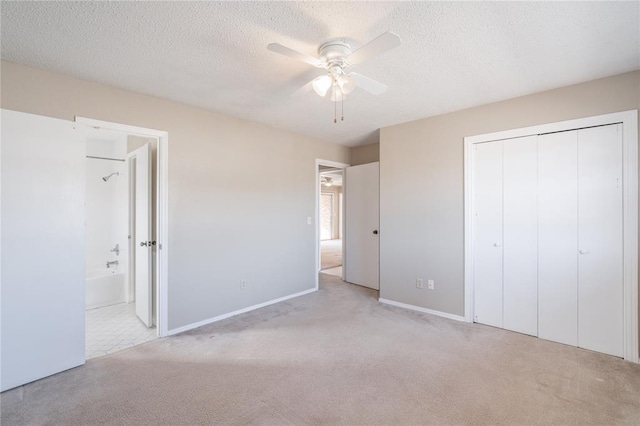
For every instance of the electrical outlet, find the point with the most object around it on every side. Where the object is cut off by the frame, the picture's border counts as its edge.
(431, 284)
(419, 283)
(243, 284)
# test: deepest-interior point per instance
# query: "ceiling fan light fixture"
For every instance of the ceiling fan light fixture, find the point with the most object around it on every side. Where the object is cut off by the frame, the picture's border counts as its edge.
(336, 57)
(346, 83)
(322, 84)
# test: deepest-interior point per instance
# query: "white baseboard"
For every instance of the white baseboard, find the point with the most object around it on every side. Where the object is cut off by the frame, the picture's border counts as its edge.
(238, 312)
(421, 309)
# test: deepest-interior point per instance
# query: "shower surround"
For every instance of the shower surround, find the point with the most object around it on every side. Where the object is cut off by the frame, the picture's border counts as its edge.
(107, 226)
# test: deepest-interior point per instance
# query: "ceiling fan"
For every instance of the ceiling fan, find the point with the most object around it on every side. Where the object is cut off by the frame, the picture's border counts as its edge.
(326, 180)
(336, 57)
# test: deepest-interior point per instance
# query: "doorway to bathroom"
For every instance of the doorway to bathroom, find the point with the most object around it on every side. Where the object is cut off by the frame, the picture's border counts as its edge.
(121, 180)
(44, 174)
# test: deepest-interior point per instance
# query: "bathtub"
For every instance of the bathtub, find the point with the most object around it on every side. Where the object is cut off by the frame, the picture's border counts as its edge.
(105, 287)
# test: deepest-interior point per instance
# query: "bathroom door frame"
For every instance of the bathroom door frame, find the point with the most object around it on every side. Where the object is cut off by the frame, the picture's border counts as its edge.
(162, 209)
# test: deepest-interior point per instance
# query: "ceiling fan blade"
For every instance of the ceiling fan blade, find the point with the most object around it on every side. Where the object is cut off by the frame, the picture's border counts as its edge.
(381, 44)
(368, 84)
(283, 50)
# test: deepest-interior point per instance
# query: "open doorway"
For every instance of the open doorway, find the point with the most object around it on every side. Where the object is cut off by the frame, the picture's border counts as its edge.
(330, 214)
(46, 161)
(120, 211)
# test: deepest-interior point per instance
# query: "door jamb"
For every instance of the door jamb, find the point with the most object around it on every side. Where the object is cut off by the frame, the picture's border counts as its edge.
(337, 165)
(629, 121)
(130, 288)
(162, 209)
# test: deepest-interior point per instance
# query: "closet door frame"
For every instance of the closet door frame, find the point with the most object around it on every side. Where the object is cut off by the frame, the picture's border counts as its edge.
(629, 121)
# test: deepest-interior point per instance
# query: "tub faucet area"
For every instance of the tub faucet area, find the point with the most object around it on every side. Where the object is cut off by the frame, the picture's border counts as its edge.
(112, 263)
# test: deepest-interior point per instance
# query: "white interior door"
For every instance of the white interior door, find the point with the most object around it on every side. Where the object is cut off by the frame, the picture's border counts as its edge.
(520, 228)
(43, 247)
(558, 237)
(487, 230)
(142, 234)
(600, 283)
(362, 221)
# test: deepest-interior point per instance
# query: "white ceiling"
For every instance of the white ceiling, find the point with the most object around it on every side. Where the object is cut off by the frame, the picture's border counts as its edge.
(213, 54)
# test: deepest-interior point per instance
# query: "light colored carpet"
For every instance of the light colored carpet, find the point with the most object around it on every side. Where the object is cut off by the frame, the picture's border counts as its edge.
(336, 272)
(337, 356)
(330, 254)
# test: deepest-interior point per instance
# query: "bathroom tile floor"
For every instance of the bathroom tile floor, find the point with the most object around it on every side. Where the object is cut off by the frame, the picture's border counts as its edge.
(114, 328)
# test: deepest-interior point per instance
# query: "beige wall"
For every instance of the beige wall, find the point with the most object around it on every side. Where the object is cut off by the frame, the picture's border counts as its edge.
(421, 183)
(365, 154)
(231, 217)
(135, 142)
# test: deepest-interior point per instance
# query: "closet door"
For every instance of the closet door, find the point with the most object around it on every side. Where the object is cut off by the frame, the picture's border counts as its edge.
(600, 293)
(558, 237)
(487, 238)
(520, 199)
(43, 247)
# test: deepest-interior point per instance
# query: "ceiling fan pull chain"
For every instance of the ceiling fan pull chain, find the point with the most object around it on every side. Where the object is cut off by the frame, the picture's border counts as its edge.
(335, 107)
(342, 105)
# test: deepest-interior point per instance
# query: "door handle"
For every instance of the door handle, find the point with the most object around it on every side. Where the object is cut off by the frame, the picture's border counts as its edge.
(584, 251)
(375, 232)
(143, 244)
(147, 243)
(497, 244)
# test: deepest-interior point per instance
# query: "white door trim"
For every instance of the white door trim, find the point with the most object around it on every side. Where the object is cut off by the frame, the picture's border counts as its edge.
(337, 165)
(629, 120)
(162, 206)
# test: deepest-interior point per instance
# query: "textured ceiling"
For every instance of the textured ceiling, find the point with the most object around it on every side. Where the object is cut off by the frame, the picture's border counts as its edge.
(213, 54)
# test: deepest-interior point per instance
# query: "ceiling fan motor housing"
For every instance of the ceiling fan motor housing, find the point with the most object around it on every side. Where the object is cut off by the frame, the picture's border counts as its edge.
(334, 53)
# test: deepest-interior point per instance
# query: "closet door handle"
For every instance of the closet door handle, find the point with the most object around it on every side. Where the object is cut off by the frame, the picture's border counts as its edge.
(584, 251)
(497, 244)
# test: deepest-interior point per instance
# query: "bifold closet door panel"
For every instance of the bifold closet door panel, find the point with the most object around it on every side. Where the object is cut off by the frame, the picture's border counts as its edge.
(558, 237)
(520, 228)
(600, 289)
(487, 238)
(42, 308)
